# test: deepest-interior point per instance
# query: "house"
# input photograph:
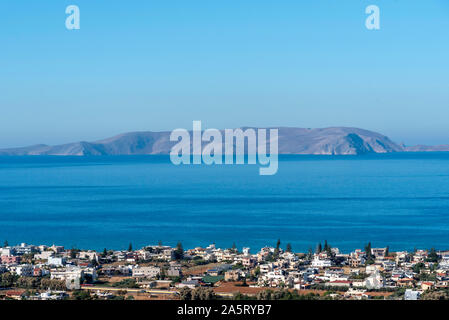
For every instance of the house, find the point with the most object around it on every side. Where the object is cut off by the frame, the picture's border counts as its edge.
(405, 282)
(8, 251)
(249, 262)
(232, 275)
(72, 277)
(321, 263)
(168, 254)
(44, 255)
(174, 271)
(378, 252)
(23, 248)
(356, 262)
(219, 270)
(15, 294)
(375, 281)
(10, 259)
(57, 249)
(146, 272)
(189, 283)
(412, 295)
(89, 255)
(25, 270)
(428, 285)
(56, 261)
(356, 294)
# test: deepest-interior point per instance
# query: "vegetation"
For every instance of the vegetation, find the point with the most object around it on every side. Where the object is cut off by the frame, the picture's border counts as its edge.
(126, 283)
(285, 295)
(179, 251)
(200, 293)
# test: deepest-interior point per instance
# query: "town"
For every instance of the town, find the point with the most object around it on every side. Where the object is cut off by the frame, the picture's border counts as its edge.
(160, 272)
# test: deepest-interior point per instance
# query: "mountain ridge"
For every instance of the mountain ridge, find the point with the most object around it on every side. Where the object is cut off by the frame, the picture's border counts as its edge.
(292, 140)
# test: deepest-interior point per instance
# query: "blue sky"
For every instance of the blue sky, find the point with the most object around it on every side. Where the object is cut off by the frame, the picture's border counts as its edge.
(158, 65)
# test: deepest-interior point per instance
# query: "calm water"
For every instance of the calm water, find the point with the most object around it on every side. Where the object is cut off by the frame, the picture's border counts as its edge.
(400, 200)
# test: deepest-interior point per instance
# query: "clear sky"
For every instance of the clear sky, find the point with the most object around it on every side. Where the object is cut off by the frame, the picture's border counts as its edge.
(157, 65)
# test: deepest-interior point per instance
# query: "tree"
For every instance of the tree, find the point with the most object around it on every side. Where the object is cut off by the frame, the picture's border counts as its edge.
(264, 295)
(185, 294)
(432, 256)
(6, 244)
(329, 252)
(202, 293)
(368, 251)
(130, 247)
(81, 295)
(179, 251)
(387, 251)
(234, 247)
(418, 267)
(105, 252)
(159, 243)
(319, 248)
(326, 246)
(73, 253)
(435, 295)
(310, 254)
(288, 248)
(276, 250)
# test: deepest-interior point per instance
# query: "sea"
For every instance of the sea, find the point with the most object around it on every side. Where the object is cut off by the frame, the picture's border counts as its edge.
(400, 200)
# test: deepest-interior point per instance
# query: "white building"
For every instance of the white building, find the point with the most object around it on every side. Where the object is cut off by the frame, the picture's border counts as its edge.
(321, 263)
(25, 270)
(44, 255)
(56, 261)
(375, 281)
(147, 272)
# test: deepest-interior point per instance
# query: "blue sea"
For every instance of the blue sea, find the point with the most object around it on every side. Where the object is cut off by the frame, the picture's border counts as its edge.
(400, 200)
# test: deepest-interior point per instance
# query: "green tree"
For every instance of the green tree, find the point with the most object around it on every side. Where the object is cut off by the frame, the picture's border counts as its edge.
(264, 295)
(432, 256)
(105, 252)
(179, 251)
(185, 294)
(130, 247)
(73, 253)
(203, 293)
(310, 254)
(368, 250)
(326, 246)
(6, 244)
(288, 248)
(81, 295)
(276, 250)
(418, 267)
(319, 248)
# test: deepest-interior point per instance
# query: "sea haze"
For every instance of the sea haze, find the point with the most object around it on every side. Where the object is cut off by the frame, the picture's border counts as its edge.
(397, 199)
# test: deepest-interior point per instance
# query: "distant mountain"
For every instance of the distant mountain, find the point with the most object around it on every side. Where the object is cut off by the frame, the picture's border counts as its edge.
(330, 141)
(422, 148)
